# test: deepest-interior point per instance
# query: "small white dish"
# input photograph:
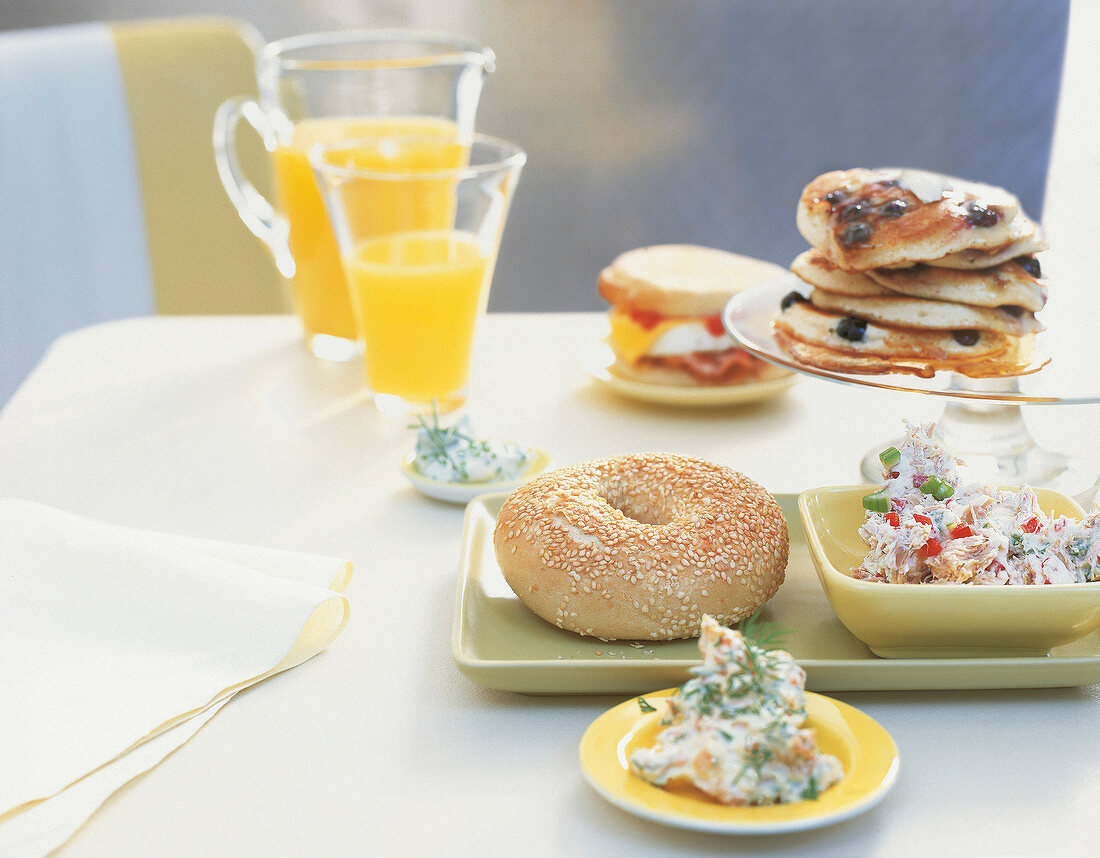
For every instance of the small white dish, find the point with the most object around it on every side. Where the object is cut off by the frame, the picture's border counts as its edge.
(463, 493)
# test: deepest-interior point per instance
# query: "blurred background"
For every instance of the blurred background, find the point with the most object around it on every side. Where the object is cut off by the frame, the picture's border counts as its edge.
(652, 121)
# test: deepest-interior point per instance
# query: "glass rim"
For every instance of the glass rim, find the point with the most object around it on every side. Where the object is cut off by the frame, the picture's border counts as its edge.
(509, 157)
(445, 49)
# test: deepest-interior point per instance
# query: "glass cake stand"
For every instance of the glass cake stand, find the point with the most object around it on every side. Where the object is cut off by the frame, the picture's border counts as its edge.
(982, 421)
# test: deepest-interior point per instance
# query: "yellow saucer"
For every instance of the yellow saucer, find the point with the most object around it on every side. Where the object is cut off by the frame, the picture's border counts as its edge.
(865, 750)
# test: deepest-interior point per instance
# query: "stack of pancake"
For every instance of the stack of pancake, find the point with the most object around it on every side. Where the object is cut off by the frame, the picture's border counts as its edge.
(913, 272)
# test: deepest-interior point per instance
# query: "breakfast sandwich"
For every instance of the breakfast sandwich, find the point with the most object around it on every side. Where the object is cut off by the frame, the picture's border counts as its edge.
(913, 272)
(665, 315)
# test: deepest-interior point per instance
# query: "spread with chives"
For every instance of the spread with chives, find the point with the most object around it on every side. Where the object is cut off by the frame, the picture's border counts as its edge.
(737, 730)
(452, 454)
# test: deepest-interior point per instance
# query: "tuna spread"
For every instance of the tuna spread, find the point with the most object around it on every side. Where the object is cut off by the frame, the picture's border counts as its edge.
(928, 525)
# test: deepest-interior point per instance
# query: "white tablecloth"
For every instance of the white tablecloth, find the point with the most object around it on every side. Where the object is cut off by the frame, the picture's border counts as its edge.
(225, 428)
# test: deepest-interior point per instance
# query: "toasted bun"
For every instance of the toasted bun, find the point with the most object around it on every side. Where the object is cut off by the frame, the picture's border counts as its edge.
(680, 279)
(640, 547)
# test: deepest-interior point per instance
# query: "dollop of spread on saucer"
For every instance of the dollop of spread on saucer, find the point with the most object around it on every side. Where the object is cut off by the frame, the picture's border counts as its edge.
(453, 454)
(736, 731)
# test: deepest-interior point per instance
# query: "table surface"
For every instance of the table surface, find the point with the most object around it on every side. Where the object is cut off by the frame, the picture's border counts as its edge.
(226, 428)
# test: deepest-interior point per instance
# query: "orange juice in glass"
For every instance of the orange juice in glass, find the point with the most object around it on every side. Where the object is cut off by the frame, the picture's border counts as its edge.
(420, 266)
(419, 294)
(323, 88)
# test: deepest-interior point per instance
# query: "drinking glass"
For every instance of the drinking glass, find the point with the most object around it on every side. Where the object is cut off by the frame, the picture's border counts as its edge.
(419, 246)
(328, 87)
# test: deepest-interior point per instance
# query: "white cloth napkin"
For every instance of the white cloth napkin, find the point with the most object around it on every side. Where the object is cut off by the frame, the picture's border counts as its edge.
(116, 645)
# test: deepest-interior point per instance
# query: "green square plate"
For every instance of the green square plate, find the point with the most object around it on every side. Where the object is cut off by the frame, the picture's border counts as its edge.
(499, 643)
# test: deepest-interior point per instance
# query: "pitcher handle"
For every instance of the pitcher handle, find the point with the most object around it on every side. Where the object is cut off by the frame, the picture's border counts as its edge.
(257, 213)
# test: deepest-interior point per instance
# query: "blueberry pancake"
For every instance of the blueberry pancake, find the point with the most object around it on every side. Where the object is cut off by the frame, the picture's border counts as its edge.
(1016, 362)
(965, 259)
(815, 268)
(852, 345)
(865, 219)
(913, 272)
(839, 332)
(1008, 284)
(903, 312)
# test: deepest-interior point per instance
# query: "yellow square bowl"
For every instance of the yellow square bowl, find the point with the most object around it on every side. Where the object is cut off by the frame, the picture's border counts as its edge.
(939, 620)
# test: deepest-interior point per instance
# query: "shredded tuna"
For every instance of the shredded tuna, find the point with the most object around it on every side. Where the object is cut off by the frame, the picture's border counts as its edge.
(978, 535)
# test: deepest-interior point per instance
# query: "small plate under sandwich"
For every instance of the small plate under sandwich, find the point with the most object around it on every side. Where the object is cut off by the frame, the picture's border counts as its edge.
(599, 366)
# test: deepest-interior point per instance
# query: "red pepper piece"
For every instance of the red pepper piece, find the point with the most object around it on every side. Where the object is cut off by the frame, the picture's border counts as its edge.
(930, 549)
(961, 530)
(1031, 525)
(892, 519)
(714, 325)
(923, 519)
(647, 318)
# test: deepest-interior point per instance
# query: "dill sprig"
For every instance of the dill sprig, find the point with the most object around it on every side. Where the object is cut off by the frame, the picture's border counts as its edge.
(441, 439)
(765, 634)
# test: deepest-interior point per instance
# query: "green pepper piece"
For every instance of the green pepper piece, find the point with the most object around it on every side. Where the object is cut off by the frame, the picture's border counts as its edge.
(937, 488)
(1078, 547)
(890, 457)
(877, 501)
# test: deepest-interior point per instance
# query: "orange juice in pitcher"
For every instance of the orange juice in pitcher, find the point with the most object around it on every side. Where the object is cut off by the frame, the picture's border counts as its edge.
(320, 88)
(319, 288)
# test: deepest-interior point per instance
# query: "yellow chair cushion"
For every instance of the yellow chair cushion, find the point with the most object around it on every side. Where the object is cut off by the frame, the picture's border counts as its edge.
(176, 73)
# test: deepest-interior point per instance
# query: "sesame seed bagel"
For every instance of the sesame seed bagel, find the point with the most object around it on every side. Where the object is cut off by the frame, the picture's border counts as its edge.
(640, 547)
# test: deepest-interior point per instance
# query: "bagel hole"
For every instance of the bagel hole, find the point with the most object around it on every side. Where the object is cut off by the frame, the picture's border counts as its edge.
(638, 512)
